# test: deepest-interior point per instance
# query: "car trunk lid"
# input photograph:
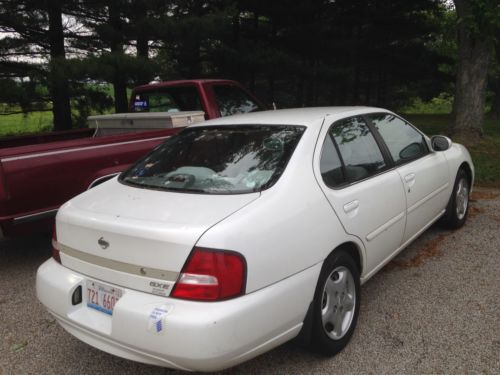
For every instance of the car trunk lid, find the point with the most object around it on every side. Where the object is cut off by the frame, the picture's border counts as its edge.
(139, 238)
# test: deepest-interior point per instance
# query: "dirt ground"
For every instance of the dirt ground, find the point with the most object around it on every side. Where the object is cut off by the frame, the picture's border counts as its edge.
(434, 309)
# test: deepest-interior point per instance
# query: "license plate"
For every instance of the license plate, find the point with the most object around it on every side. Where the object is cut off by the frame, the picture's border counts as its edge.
(102, 297)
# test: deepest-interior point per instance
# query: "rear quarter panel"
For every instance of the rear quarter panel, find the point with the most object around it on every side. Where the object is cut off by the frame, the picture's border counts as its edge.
(290, 228)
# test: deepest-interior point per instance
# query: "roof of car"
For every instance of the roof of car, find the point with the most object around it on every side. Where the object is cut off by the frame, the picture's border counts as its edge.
(296, 116)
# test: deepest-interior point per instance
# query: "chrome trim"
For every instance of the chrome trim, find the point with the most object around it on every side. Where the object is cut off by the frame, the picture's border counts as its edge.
(34, 217)
(119, 266)
(14, 158)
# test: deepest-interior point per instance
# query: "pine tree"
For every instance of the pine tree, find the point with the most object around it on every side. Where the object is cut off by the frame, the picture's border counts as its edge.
(35, 30)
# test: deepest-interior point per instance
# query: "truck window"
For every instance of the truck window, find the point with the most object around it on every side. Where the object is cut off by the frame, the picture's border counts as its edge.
(232, 100)
(167, 99)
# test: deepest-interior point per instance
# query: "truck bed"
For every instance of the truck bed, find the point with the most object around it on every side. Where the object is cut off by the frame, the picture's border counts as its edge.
(34, 139)
(36, 179)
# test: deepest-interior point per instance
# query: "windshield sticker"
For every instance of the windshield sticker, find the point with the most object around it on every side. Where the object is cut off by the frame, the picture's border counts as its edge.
(140, 104)
(157, 319)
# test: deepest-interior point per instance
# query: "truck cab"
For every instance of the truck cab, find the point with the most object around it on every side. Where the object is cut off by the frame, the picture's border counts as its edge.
(215, 97)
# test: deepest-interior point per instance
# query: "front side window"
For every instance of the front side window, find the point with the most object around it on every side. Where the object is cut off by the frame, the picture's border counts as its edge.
(233, 100)
(403, 141)
(217, 160)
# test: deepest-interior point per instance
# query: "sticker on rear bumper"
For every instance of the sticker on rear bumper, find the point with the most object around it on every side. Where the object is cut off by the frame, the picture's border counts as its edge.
(157, 319)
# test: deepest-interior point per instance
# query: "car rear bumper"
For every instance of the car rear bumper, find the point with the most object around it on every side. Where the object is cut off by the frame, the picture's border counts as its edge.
(193, 335)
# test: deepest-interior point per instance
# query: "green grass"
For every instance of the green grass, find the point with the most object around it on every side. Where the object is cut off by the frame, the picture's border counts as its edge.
(485, 154)
(35, 122)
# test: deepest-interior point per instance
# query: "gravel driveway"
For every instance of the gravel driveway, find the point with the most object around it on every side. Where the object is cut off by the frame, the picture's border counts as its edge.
(434, 309)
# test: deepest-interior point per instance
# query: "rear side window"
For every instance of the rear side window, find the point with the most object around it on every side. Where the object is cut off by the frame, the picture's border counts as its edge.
(233, 100)
(167, 99)
(350, 153)
(403, 141)
(330, 165)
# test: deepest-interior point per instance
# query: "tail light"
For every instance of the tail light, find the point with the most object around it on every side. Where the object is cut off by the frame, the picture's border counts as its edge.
(55, 247)
(211, 275)
(3, 185)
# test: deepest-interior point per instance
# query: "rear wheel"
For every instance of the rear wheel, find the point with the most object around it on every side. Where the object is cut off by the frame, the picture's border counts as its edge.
(336, 304)
(458, 206)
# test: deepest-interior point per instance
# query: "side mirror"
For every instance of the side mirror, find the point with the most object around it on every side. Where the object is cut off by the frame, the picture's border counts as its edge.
(440, 143)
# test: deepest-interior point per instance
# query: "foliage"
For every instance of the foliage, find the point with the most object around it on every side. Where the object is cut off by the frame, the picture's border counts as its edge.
(441, 104)
(292, 52)
(482, 16)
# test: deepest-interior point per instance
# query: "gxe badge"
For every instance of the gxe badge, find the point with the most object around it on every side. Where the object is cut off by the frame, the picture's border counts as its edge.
(103, 243)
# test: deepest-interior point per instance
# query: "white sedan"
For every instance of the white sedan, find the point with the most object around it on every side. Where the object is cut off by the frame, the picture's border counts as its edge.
(239, 234)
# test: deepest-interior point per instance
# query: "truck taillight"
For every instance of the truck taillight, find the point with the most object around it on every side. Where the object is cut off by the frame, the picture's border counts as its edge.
(211, 275)
(55, 247)
(3, 184)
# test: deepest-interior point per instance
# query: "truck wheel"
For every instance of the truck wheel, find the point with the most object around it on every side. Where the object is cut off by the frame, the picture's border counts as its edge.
(458, 205)
(336, 304)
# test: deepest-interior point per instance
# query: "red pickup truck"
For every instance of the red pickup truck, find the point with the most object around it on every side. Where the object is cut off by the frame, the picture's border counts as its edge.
(39, 173)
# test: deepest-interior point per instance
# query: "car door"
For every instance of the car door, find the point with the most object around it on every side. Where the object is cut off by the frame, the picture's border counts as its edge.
(425, 174)
(367, 196)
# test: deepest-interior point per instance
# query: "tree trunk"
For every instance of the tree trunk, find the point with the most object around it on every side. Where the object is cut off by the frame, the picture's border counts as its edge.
(299, 93)
(495, 104)
(119, 82)
(143, 43)
(495, 86)
(143, 47)
(58, 81)
(474, 53)
(236, 70)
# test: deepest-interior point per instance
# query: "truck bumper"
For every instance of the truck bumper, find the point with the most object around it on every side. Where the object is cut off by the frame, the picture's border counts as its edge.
(42, 222)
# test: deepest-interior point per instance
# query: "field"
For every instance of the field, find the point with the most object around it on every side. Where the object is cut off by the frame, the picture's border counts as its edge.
(486, 154)
(34, 122)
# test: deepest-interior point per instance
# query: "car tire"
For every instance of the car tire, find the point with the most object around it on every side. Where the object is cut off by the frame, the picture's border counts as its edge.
(458, 205)
(336, 304)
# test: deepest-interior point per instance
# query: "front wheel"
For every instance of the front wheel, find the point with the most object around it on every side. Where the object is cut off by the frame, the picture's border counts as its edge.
(336, 304)
(458, 206)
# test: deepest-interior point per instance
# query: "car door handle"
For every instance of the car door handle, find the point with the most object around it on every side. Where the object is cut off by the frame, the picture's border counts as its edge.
(410, 177)
(351, 206)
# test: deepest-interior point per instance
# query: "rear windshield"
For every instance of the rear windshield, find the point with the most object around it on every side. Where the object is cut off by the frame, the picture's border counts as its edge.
(167, 99)
(217, 160)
